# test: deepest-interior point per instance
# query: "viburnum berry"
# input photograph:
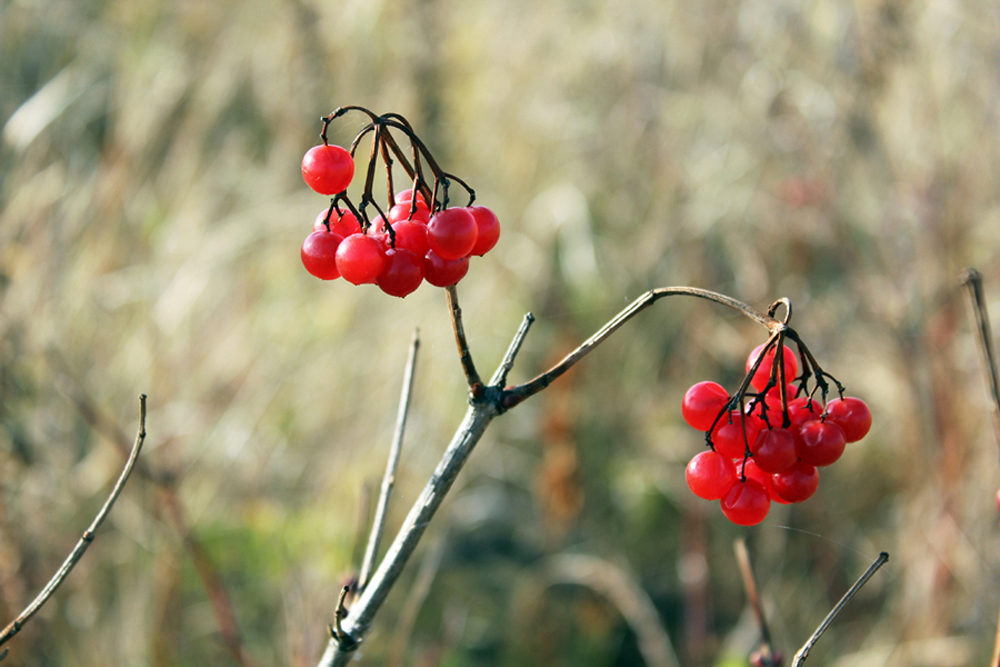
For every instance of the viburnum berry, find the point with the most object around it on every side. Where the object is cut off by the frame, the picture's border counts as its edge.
(487, 228)
(820, 443)
(763, 374)
(710, 475)
(797, 483)
(751, 471)
(702, 404)
(344, 224)
(411, 235)
(402, 212)
(444, 272)
(360, 259)
(327, 169)
(319, 252)
(406, 196)
(774, 450)
(452, 233)
(403, 272)
(746, 503)
(728, 435)
(851, 415)
(801, 410)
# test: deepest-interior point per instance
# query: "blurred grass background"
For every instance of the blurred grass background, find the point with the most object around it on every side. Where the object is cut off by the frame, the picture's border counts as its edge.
(842, 154)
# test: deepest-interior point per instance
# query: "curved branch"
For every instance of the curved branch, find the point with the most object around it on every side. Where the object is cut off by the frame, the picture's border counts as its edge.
(88, 535)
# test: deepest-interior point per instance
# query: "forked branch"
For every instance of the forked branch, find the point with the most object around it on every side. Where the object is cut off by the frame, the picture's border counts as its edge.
(88, 536)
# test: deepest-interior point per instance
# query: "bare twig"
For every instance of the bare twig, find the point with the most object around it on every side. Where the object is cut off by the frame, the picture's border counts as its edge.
(88, 536)
(471, 376)
(803, 653)
(389, 480)
(974, 281)
(768, 657)
(515, 346)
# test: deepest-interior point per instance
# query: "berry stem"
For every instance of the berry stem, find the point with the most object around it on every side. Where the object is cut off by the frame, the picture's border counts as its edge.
(465, 356)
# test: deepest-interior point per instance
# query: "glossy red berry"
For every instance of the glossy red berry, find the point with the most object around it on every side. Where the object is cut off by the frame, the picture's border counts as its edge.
(746, 503)
(728, 438)
(763, 374)
(796, 484)
(345, 224)
(402, 212)
(487, 228)
(444, 272)
(411, 235)
(852, 415)
(774, 450)
(327, 169)
(702, 404)
(801, 410)
(406, 196)
(452, 233)
(360, 259)
(319, 251)
(820, 443)
(710, 475)
(403, 272)
(751, 471)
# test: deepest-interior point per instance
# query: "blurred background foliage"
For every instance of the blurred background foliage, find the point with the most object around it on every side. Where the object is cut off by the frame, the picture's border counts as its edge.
(842, 154)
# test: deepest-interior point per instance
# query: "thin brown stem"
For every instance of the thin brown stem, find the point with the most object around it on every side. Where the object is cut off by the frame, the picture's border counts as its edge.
(766, 652)
(974, 281)
(88, 536)
(645, 301)
(465, 356)
(389, 479)
(803, 653)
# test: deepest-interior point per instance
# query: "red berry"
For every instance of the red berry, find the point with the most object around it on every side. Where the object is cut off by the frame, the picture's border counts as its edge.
(444, 272)
(728, 438)
(345, 225)
(774, 450)
(751, 471)
(327, 169)
(403, 272)
(318, 254)
(702, 404)
(796, 484)
(402, 212)
(710, 475)
(451, 233)
(406, 196)
(804, 409)
(763, 374)
(488, 230)
(746, 503)
(852, 415)
(411, 235)
(360, 259)
(820, 443)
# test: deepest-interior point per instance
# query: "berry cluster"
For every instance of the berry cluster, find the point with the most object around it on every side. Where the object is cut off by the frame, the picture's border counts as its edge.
(417, 238)
(767, 446)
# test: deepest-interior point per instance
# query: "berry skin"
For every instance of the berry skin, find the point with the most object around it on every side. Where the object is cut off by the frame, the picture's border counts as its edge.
(852, 415)
(444, 272)
(411, 235)
(710, 475)
(746, 503)
(763, 373)
(804, 409)
(345, 225)
(403, 272)
(702, 404)
(402, 212)
(319, 252)
(327, 169)
(820, 443)
(452, 233)
(360, 259)
(406, 196)
(488, 230)
(728, 438)
(796, 484)
(751, 471)
(774, 450)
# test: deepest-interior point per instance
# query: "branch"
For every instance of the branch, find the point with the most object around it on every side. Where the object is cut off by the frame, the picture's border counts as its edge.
(768, 658)
(972, 279)
(803, 653)
(84, 542)
(389, 480)
(468, 367)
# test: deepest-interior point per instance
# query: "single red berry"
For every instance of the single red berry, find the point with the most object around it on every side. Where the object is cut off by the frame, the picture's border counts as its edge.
(763, 374)
(774, 450)
(852, 415)
(751, 471)
(360, 259)
(377, 229)
(327, 169)
(746, 503)
(411, 235)
(406, 196)
(702, 404)
(451, 233)
(820, 443)
(444, 272)
(804, 409)
(488, 230)
(710, 475)
(728, 437)
(403, 272)
(797, 483)
(402, 212)
(318, 254)
(345, 225)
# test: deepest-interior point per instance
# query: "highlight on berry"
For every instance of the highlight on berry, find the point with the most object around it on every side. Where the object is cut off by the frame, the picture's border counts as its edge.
(415, 236)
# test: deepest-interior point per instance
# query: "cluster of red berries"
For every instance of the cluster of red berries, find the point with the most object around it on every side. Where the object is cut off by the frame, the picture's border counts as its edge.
(770, 448)
(397, 250)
